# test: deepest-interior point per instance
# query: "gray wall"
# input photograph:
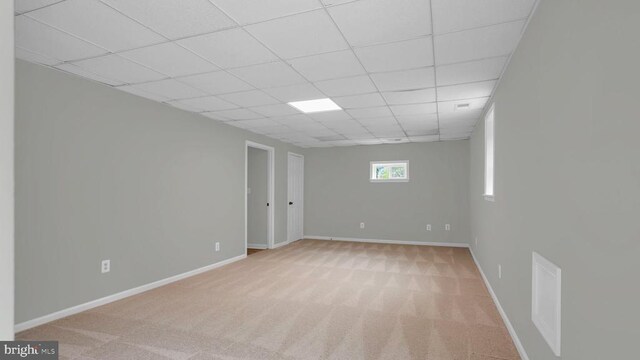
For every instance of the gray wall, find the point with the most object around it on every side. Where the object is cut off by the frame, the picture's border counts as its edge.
(102, 174)
(339, 195)
(568, 177)
(6, 170)
(257, 172)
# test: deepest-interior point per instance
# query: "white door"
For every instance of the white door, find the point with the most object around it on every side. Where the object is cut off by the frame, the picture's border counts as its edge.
(295, 193)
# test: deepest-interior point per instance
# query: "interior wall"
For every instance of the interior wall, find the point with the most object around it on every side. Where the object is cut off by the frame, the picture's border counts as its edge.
(6, 171)
(257, 197)
(102, 174)
(339, 195)
(567, 177)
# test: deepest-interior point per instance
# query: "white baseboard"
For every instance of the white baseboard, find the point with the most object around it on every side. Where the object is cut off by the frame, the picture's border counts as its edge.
(121, 295)
(381, 241)
(256, 246)
(503, 314)
(277, 245)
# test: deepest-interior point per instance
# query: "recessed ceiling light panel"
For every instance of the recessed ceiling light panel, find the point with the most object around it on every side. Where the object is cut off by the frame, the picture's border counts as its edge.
(314, 106)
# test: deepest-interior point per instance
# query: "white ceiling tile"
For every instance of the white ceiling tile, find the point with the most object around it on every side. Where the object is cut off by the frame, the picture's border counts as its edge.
(215, 83)
(251, 11)
(250, 124)
(428, 138)
(35, 57)
(487, 69)
(232, 115)
(380, 21)
(422, 132)
(460, 115)
(359, 101)
(414, 109)
(118, 68)
(359, 136)
(466, 91)
(298, 92)
(457, 126)
(86, 74)
(269, 75)
(294, 119)
(249, 98)
(229, 48)
(410, 96)
(454, 136)
(464, 130)
(386, 131)
(138, 92)
(378, 111)
(175, 19)
(496, 40)
(181, 106)
(402, 55)
(380, 122)
(405, 80)
(326, 135)
(272, 130)
(450, 106)
(275, 110)
(170, 59)
(47, 41)
(346, 126)
(419, 122)
(171, 89)
(207, 103)
(331, 116)
(309, 127)
(347, 86)
(464, 120)
(335, 2)
(22, 6)
(332, 65)
(300, 35)
(97, 23)
(456, 15)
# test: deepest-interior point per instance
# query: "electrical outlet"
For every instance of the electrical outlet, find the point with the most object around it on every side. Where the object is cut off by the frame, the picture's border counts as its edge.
(447, 227)
(428, 227)
(361, 225)
(105, 266)
(499, 271)
(217, 246)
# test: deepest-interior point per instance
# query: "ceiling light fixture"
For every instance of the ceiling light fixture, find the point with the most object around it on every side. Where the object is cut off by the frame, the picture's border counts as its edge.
(317, 105)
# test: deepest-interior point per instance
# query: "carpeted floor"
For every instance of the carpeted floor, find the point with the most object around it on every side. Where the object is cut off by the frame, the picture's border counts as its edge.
(308, 300)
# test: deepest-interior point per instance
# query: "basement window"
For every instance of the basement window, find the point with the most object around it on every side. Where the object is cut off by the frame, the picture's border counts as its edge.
(489, 154)
(389, 171)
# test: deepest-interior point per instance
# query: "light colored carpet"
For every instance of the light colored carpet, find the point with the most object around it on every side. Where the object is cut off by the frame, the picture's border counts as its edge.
(309, 300)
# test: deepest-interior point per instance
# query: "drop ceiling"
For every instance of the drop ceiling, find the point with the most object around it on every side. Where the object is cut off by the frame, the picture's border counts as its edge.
(398, 68)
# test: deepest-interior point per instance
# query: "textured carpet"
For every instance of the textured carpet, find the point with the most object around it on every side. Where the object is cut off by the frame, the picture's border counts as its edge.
(308, 300)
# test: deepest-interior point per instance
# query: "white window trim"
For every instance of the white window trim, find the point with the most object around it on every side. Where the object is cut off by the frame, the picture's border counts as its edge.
(387, 180)
(490, 197)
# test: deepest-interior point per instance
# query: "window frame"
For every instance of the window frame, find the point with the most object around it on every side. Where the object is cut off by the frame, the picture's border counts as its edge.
(372, 164)
(489, 192)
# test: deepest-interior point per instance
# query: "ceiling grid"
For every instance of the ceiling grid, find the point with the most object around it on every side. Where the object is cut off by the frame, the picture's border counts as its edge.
(402, 70)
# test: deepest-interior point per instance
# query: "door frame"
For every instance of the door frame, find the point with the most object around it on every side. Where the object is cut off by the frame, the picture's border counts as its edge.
(289, 153)
(270, 191)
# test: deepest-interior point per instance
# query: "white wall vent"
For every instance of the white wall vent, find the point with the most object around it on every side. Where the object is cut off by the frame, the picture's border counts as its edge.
(546, 302)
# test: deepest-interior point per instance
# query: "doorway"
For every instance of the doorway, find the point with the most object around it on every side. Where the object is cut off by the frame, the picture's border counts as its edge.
(295, 195)
(259, 196)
